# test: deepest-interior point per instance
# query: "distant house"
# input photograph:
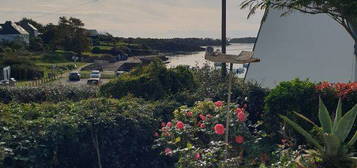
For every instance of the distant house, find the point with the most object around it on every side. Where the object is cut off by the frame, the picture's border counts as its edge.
(32, 30)
(11, 32)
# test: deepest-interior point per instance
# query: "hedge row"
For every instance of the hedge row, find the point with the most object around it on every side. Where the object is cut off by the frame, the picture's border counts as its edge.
(151, 82)
(86, 134)
(55, 93)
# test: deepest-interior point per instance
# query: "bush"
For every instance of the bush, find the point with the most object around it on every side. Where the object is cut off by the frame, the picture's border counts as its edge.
(109, 132)
(302, 97)
(151, 82)
(55, 93)
(194, 138)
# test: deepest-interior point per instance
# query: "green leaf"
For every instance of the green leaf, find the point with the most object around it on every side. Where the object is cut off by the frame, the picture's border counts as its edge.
(338, 114)
(344, 126)
(353, 140)
(305, 118)
(302, 132)
(324, 117)
(332, 144)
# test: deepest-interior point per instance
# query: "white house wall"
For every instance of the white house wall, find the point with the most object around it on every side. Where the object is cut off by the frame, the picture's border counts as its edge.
(302, 46)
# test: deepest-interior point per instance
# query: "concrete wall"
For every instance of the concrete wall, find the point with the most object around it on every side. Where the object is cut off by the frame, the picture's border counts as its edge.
(303, 46)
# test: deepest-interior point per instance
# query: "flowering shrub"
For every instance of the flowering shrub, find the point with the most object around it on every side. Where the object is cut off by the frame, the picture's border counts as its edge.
(198, 137)
(339, 89)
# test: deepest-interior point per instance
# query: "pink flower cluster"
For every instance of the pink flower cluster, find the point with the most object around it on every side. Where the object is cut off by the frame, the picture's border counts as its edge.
(341, 89)
(202, 120)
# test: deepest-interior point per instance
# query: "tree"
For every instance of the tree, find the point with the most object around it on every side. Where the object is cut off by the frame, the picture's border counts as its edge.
(69, 34)
(342, 11)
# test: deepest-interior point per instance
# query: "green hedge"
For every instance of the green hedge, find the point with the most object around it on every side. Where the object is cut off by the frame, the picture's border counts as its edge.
(68, 135)
(55, 93)
(151, 82)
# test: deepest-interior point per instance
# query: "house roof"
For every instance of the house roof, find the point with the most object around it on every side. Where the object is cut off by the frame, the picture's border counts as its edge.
(11, 28)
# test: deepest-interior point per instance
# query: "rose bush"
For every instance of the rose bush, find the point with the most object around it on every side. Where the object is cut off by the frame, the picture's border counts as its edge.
(197, 139)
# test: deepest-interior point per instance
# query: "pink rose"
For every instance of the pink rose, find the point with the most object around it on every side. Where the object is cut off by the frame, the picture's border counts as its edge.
(219, 129)
(180, 125)
(218, 103)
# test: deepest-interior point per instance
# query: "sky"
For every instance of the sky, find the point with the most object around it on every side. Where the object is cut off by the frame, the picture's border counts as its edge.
(140, 18)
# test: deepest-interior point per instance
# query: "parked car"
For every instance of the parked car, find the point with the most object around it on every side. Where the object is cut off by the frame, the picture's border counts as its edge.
(95, 74)
(74, 76)
(10, 82)
(93, 81)
(94, 78)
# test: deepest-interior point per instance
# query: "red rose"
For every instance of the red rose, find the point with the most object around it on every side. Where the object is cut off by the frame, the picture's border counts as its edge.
(202, 125)
(203, 117)
(168, 151)
(189, 114)
(241, 116)
(218, 103)
(219, 129)
(180, 125)
(239, 139)
(169, 124)
(197, 156)
(239, 110)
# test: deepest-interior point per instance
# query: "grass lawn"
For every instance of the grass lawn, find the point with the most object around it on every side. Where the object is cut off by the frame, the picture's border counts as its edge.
(105, 74)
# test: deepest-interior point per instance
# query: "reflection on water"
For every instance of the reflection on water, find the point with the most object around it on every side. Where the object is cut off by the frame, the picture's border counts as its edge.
(197, 59)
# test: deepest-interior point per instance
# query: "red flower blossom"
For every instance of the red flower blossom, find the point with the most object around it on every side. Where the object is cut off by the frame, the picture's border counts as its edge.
(169, 124)
(241, 117)
(202, 125)
(219, 129)
(197, 156)
(203, 117)
(180, 125)
(218, 103)
(168, 151)
(239, 110)
(163, 124)
(239, 139)
(189, 114)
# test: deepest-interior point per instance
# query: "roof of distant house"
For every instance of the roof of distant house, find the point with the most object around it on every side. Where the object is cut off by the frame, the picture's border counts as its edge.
(12, 28)
(92, 32)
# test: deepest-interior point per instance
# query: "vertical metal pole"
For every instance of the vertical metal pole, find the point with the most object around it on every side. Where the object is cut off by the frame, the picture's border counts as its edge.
(224, 70)
(224, 36)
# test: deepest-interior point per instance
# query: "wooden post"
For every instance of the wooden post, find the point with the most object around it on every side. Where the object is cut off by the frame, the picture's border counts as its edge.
(224, 36)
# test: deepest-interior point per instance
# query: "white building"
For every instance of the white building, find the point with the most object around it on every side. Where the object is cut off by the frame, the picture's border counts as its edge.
(302, 46)
(11, 32)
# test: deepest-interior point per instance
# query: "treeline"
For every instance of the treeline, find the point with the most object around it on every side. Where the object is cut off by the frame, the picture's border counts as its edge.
(175, 44)
(243, 40)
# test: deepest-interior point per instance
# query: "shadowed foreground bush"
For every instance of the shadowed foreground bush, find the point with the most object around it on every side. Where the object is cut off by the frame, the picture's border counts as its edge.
(46, 94)
(113, 133)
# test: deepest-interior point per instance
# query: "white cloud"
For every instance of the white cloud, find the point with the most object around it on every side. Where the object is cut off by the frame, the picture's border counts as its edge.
(145, 18)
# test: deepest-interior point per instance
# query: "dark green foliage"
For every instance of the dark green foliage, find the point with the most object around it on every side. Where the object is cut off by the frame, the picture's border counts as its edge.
(65, 135)
(152, 82)
(22, 69)
(46, 94)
